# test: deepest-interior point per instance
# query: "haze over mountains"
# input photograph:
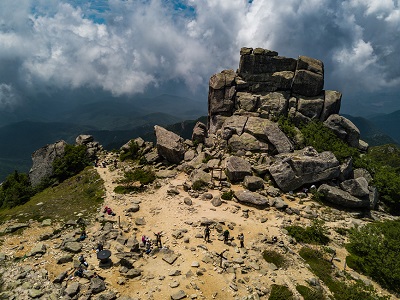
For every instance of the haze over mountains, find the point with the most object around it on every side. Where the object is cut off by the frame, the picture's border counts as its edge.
(111, 121)
(64, 114)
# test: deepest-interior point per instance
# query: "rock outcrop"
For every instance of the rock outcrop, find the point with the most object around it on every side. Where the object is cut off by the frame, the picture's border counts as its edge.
(169, 145)
(291, 171)
(43, 159)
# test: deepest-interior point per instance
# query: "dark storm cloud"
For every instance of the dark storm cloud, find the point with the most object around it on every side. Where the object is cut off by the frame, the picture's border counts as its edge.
(127, 47)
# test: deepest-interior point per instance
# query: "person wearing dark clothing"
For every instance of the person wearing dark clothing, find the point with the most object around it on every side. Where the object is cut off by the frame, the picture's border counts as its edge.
(158, 239)
(79, 272)
(99, 247)
(207, 234)
(241, 239)
(83, 261)
(226, 236)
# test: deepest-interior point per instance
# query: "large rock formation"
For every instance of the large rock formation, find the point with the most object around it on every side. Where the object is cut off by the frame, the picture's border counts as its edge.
(293, 170)
(269, 86)
(43, 159)
(169, 145)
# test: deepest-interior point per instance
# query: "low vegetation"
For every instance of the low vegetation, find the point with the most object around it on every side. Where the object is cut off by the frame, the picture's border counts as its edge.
(316, 233)
(132, 153)
(198, 185)
(280, 292)
(82, 193)
(275, 258)
(227, 195)
(310, 293)
(342, 289)
(322, 139)
(134, 181)
(383, 162)
(374, 251)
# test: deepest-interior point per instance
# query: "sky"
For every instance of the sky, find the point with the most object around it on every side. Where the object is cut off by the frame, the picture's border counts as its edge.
(130, 47)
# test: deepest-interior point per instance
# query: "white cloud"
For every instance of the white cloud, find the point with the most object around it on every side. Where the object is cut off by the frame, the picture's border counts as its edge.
(146, 44)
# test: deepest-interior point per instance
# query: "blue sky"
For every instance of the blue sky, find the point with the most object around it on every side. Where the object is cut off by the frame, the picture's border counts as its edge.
(129, 47)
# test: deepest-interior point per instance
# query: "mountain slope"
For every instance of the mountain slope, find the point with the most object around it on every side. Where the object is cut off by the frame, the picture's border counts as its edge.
(370, 132)
(389, 124)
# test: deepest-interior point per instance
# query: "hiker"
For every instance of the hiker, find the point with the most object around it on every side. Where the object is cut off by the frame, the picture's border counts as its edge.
(158, 239)
(83, 235)
(305, 191)
(144, 240)
(274, 239)
(148, 246)
(207, 234)
(226, 236)
(83, 261)
(99, 247)
(79, 272)
(241, 239)
(109, 211)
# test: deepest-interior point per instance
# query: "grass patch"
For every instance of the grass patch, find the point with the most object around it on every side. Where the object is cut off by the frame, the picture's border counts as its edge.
(316, 233)
(280, 292)
(341, 290)
(81, 193)
(275, 257)
(309, 293)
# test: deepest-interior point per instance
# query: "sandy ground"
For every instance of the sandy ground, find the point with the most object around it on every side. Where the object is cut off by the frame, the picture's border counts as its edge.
(167, 213)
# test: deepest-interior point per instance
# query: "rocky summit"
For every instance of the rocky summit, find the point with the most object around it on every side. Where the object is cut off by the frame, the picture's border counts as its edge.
(240, 173)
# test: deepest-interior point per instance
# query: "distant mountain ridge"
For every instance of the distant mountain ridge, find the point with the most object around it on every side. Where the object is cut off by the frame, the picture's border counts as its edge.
(370, 132)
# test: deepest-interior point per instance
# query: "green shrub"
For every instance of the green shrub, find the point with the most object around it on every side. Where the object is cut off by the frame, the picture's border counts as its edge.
(280, 292)
(322, 139)
(15, 190)
(74, 160)
(207, 158)
(323, 270)
(309, 293)
(341, 230)
(132, 153)
(227, 195)
(288, 128)
(199, 185)
(316, 233)
(275, 258)
(374, 251)
(143, 175)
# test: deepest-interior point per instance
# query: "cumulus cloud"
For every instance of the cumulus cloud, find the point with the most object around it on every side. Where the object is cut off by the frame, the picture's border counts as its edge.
(131, 46)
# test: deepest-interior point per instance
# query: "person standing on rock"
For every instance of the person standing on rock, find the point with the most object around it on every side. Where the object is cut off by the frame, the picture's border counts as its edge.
(158, 239)
(241, 239)
(207, 234)
(226, 236)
